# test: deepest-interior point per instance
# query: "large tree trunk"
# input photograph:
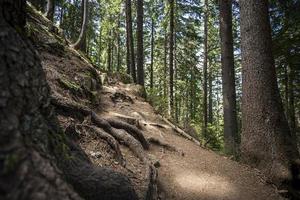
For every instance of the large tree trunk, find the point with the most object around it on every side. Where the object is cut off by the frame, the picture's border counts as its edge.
(205, 120)
(228, 78)
(33, 146)
(140, 42)
(171, 58)
(130, 41)
(81, 41)
(291, 101)
(25, 171)
(266, 138)
(50, 9)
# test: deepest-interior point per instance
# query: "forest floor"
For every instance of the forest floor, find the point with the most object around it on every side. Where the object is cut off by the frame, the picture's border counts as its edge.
(186, 171)
(191, 172)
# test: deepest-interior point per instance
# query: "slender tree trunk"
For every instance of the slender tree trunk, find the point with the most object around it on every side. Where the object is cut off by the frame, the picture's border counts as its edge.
(165, 64)
(50, 9)
(205, 120)
(228, 78)
(119, 45)
(81, 41)
(140, 43)
(109, 58)
(286, 91)
(130, 39)
(210, 96)
(171, 58)
(267, 142)
(152, 52)
(61, 15)
(128, 54)
(100, 46)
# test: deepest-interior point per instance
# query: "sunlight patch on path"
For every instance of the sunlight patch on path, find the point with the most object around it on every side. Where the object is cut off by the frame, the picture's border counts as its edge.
(206, 184)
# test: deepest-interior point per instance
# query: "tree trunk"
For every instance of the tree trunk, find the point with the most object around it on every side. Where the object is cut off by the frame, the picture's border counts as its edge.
(130, 40)
(33, 146)
(210, 96)
(152, 52)
(109, 57)
(205, 71)
(119, 45)
(171, 58)
(228, 78)
(81, 41)
(140, 42)
(165, 64)
(291, 101)
(266, 138)
(50, 9)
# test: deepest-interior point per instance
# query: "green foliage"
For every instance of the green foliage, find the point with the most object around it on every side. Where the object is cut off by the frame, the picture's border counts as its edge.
(107, 34)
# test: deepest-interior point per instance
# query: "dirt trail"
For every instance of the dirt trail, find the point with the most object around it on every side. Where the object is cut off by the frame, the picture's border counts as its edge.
(199, 173)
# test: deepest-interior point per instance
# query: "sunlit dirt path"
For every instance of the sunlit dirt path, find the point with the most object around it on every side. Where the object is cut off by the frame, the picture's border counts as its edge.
(199, 174)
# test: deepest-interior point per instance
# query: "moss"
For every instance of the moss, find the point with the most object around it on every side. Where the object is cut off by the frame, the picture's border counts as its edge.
(11, 162)
(59, 146)
(69, 85)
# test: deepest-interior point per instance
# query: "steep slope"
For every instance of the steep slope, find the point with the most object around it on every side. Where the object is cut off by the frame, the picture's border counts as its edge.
(114, 124)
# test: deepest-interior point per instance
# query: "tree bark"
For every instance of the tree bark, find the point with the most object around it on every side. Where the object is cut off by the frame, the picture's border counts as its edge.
(210, 96)
(266, 142)
(228, 78)
(140, 42)
(36, 158)
(205, 120)
(81, 41)
(50, 9)
(119, 45)
(171, 58)
(152, 52)
(130, 41)
(165, 64)
(291, 101)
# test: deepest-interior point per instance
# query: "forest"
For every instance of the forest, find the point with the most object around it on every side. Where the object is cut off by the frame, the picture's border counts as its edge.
(149, 99)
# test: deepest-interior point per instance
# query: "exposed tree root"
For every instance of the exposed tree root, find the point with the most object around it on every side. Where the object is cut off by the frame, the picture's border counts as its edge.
(108, 138)
(163, 144)
(180, 131)
(80, 111)
(132, 143)
(130, 135)
(135, 121)
(133, 130)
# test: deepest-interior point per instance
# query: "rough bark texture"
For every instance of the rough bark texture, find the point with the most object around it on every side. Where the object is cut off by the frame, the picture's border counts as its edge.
(36, 157)
(140, 43)
(228, 78)
(130, 42)
(266, 139)
(50, 9)
(79, 44)
(27, 171)
(291, 101)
